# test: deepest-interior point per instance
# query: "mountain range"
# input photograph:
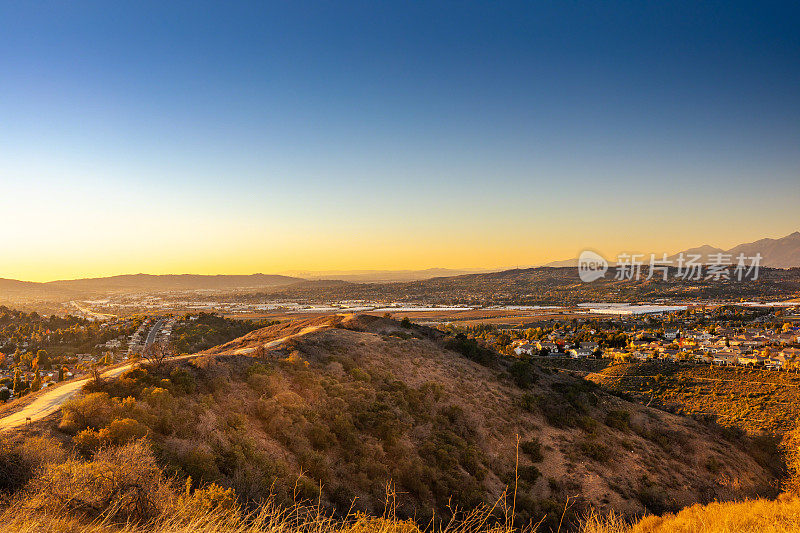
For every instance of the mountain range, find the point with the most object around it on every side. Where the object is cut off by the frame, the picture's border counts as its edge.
(775, 253)
(383, 276)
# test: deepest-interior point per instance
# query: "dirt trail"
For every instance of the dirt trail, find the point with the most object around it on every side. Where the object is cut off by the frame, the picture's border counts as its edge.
(272, 344)
(50, 401)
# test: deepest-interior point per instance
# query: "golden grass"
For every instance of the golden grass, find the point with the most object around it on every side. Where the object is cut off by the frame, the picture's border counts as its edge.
(267, 519)
(762, 516)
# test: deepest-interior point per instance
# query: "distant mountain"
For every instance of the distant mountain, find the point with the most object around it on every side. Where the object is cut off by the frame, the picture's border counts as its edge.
(775, 253)
(383, 276)
(705, 251)
(778, 253)
(172, 282)
(565, 263)
(15, 291)
(540, 286)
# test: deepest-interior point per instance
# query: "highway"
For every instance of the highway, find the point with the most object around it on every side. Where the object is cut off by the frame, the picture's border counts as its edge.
(151, 336)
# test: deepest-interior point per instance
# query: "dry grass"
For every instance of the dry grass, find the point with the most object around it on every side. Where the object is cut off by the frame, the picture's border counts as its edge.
(762, 516)
(122, 490)
(184, 515)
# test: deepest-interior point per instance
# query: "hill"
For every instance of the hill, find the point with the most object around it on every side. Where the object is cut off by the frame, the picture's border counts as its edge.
(542, 286)
(26, 292)
(382, 276)
(12, 289)
(335, 409)
(172, 282)
(756, 401)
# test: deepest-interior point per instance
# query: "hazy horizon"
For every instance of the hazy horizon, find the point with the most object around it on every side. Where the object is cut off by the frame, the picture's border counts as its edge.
(269, 138)
(299, 272)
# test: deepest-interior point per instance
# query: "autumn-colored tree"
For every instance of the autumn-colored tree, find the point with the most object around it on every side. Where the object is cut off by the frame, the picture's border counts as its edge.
(36, 384)
(17, 381)
(42, 360)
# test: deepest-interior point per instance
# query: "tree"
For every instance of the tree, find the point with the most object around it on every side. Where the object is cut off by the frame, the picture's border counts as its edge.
(42, 360)
(36, 384)
(157, 353)
(17, 381)
(95, 370)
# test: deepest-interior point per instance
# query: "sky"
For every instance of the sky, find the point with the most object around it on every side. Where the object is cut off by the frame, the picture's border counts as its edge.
(230, 137)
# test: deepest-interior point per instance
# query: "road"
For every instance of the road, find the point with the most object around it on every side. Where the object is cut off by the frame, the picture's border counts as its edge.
(153, 333)
(88, 313)
(50, 401)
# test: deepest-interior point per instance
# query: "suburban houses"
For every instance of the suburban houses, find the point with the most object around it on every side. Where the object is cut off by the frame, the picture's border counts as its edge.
(756, 343)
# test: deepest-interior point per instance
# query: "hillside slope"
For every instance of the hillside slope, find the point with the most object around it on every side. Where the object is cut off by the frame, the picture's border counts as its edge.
(350, 404)
(754, 400)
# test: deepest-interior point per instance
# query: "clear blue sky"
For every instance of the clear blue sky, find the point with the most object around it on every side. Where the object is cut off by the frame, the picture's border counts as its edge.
(235, 137)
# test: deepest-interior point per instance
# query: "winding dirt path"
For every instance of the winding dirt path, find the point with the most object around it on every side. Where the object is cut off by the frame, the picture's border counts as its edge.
(50, 401)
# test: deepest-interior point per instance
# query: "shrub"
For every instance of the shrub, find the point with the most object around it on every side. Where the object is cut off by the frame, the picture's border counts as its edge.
(159, 398)
(654, 499)
(618, 419)
(560, 416)
(529, 402)
(94, 410)
(209, 499)
(471, 349)
(119, 483)
(587, 423)
(595, 450)
(523, 373)
(713, 465)
(87, 441)
(529, 473)
(261, 383)
(192, 458)
(20, 460)
(183, 380)
(123, 431)
(533, 449)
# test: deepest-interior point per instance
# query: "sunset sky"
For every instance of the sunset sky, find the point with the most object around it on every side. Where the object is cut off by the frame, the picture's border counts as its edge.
(172, 137)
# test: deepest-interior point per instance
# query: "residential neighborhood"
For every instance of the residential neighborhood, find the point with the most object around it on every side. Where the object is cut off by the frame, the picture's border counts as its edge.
(38, 352)
(726, 336)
